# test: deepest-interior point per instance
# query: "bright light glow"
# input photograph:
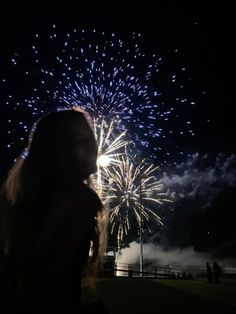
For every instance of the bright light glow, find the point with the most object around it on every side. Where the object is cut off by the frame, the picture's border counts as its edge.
(104, 161)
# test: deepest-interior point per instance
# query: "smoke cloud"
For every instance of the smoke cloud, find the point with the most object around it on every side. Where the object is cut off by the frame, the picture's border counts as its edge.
(199, 177)
(162, 257)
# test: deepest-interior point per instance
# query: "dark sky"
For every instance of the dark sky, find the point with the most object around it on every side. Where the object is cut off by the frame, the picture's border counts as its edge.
(203, 32)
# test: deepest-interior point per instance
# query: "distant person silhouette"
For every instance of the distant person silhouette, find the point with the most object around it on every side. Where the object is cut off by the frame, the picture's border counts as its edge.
(51, 218)
(209, 272)
(216, 272)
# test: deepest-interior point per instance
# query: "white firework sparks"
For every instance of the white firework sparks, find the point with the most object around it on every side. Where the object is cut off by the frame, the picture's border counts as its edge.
(111, 145)
(134, 196)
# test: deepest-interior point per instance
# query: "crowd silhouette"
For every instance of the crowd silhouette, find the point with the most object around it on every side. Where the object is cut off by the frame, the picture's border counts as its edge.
(213, 272)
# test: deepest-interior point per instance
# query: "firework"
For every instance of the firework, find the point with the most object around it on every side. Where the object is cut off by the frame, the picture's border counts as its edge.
(128, 190)
(134, 196)
(111, 145)
(107, 76)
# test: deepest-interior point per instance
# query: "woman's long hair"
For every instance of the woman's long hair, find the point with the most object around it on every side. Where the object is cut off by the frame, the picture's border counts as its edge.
(39, 171)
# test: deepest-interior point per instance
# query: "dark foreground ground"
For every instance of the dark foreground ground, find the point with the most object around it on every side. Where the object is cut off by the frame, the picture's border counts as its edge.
(122, 295)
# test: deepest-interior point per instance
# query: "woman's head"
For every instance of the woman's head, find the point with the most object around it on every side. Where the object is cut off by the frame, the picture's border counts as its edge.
(62, 148)
(64, 142)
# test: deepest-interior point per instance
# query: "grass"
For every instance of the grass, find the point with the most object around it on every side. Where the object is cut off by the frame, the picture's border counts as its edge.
(224, 292)
(127, 296)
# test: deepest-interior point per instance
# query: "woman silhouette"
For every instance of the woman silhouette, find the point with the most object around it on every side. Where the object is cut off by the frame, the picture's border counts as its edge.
(51, 218)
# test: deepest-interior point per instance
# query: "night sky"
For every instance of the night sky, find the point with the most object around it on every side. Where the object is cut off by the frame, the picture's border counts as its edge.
(204, 35)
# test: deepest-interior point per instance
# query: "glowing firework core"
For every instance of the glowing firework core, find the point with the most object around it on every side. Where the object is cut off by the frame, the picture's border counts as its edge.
(104, 160)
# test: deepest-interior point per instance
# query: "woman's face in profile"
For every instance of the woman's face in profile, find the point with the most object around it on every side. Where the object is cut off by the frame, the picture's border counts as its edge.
(85, 152)
(80, 150)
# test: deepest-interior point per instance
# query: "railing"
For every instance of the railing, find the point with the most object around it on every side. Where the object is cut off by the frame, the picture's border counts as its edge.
(170, 272)
(119, 272)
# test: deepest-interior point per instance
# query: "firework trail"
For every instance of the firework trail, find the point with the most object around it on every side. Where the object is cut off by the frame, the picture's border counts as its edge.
(111, 145)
